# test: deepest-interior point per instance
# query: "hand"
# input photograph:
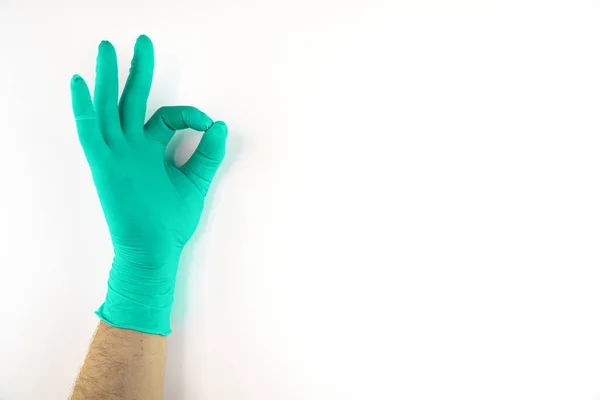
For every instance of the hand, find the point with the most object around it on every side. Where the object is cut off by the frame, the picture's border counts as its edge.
(151, 206)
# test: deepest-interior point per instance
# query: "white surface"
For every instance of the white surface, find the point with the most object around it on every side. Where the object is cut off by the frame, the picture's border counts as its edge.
(410, 208)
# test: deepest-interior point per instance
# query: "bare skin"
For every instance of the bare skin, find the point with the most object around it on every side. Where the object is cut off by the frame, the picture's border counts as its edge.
(122, 364)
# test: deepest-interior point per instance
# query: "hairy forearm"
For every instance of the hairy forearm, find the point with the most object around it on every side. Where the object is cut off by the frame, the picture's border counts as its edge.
(122, 364)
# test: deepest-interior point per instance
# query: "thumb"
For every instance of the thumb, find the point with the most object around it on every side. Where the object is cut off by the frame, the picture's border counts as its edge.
(203, 164)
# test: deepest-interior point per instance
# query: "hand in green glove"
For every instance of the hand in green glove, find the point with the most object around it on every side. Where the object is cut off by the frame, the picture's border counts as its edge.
(151, 206)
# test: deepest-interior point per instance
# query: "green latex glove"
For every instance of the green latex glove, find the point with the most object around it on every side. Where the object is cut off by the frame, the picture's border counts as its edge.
(151, 206)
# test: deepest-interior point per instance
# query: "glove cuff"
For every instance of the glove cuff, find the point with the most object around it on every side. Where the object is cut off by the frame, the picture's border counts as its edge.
(140, 298)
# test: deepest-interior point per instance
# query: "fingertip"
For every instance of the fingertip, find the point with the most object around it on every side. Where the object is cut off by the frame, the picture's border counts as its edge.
(76, 79)
(196, 119)
(78, 86)
(220, 127)
(105, 45)
(143, 42)
(107, 55)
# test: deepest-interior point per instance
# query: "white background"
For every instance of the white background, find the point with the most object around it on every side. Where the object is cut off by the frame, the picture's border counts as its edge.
(410, 207)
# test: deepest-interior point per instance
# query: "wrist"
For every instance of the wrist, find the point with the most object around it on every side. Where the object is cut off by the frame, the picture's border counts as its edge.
(140, 297)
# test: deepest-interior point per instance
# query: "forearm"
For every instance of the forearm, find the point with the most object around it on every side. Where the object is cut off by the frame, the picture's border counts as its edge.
(122, 364)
